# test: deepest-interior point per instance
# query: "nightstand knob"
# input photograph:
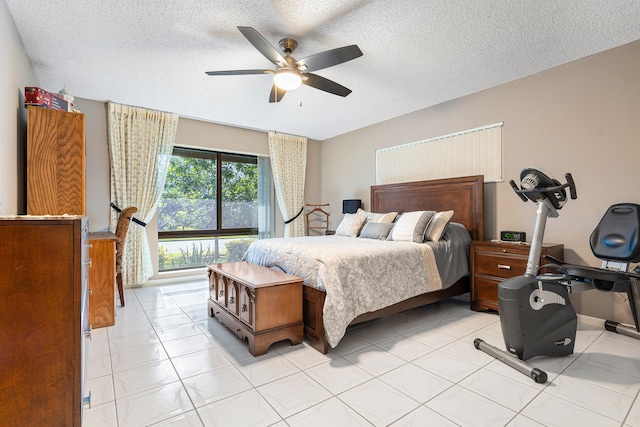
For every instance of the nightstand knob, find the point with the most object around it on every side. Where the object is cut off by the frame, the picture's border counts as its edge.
(504, 267)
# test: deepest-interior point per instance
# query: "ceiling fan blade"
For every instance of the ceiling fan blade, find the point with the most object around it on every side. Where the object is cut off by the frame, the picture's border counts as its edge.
(324, 84)
(276, 94)
(329, 58)
(238, 72)
(263, 46)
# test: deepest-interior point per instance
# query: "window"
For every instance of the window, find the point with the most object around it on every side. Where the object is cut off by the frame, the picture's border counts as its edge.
(208, 211)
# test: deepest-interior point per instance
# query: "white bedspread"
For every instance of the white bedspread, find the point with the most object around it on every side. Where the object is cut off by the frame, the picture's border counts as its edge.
(358, 275)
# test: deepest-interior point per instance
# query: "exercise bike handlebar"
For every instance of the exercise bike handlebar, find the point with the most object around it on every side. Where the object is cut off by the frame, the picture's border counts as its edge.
(572, 186)
(551, 189)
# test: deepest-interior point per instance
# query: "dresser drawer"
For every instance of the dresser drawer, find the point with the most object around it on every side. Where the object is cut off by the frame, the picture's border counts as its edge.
(498, 264)
(486, 291)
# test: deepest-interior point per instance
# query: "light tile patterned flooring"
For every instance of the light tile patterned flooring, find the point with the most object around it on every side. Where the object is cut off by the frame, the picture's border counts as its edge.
(165, 362)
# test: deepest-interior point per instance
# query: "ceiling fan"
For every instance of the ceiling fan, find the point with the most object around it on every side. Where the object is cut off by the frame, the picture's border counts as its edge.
(290, 73)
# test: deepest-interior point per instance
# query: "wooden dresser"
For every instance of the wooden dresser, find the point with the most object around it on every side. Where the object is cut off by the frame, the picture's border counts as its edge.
(56, 162)
(257, 303)
(492, 262)
(43, 320)
(102, 278)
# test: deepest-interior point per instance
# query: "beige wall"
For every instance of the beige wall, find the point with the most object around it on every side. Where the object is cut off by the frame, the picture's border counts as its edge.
(582, 117)
(190, 133)
(16, 72)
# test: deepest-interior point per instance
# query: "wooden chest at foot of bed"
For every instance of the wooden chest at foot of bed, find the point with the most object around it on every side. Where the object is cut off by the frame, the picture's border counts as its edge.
(260, 305)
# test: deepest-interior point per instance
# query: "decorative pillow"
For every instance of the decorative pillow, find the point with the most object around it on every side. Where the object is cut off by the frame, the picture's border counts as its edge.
(379, 217)
(351, 225)
(410, 227)
(437, 226)
(376, 230)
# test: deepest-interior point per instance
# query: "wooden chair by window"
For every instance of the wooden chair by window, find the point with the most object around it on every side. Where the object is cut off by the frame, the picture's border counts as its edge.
(121, 232)
(317, 220)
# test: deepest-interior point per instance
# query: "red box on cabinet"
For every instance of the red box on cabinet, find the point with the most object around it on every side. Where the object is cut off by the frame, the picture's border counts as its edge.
(42, 98)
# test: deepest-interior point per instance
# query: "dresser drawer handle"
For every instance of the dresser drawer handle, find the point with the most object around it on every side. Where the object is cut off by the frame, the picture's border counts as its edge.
(244, 307)
(231, 300)
(220, 294)
(504, 267)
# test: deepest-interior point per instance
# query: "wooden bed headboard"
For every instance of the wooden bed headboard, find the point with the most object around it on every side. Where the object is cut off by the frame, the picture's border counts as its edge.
(464, 195)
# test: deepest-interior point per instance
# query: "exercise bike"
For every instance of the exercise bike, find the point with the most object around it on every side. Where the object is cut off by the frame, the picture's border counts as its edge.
(536, 315)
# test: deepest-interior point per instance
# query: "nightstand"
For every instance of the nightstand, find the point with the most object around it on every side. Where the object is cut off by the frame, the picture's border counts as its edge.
(493, 262)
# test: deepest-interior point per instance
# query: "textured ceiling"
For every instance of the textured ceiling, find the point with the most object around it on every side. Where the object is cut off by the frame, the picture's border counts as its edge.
(153, 53)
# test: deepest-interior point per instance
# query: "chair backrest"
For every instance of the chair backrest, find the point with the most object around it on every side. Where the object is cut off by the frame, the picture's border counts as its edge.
(121, 232)
(617, 236)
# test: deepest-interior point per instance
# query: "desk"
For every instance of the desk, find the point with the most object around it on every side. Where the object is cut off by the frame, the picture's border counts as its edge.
(102, 277)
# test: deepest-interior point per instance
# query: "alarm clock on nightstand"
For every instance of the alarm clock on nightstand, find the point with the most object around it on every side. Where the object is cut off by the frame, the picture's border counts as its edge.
(513, 236)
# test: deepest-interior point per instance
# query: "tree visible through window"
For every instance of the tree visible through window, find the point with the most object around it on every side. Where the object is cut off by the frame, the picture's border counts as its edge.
(203, 219)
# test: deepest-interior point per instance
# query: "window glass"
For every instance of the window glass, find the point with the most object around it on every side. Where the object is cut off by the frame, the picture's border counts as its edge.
(239, 191)
(203, 219)
(188, 200)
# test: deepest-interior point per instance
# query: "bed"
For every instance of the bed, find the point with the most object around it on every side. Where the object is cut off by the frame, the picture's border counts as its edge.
(399, 275)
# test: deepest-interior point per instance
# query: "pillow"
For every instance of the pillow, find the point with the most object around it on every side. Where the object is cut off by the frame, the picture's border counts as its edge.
(376, 230)
(351, 225)
(437, 226)
(410, 227)
(379, 217)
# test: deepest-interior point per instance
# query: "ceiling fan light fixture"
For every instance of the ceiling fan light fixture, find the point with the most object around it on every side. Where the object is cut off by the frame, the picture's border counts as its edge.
(287, 79)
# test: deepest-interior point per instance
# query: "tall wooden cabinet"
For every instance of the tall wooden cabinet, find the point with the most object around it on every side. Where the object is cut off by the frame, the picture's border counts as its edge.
(56, 162)
(43, 320)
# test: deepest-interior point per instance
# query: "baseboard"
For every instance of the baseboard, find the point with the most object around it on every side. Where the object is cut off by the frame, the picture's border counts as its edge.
(175, 277)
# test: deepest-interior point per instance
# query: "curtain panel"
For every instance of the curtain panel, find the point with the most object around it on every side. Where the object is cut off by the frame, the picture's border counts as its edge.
(289, 167)
(266, 225)
(140, 146)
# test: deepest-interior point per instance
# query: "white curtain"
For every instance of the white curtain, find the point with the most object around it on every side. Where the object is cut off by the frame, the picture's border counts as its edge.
(266, 226)
(140, 146)
(289, 165)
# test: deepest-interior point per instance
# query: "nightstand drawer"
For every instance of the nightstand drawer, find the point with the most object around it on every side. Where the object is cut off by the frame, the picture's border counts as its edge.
(499, 264)
(492, 262)
(486, 291)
